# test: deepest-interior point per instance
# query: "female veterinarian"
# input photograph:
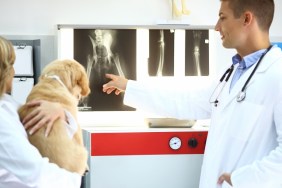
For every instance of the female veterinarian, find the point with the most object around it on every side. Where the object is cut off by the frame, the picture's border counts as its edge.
(244, 144)
(21, 165)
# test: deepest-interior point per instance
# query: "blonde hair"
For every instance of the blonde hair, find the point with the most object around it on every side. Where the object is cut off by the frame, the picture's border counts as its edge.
(7, 59)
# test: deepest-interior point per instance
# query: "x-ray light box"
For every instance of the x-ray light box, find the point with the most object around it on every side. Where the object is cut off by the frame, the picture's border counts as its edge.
(148, 53)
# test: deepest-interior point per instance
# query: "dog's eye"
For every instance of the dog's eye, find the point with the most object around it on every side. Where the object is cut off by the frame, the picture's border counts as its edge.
(78, 97)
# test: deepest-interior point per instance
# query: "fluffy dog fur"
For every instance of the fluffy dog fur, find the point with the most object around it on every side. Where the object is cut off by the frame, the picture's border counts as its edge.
(67, 153)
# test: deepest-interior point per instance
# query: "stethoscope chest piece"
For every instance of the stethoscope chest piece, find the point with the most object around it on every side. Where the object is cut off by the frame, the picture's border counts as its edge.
(241, 96)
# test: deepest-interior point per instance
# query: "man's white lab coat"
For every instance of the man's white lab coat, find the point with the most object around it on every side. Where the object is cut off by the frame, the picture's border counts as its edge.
(245, 138)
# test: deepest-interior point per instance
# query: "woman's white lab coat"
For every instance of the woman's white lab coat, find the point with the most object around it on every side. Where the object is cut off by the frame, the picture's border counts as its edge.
(245, 138)
(21, 165)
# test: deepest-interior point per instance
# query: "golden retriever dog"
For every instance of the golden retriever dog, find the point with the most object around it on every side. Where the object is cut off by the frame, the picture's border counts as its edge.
(62, 81)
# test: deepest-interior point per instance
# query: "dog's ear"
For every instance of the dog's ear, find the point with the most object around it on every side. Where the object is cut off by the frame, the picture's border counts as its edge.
(79, 77)
(83, 81)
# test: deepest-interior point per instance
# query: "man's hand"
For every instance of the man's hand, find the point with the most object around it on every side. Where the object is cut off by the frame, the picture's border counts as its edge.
(225, 177)
(44, 113)
(117, 84)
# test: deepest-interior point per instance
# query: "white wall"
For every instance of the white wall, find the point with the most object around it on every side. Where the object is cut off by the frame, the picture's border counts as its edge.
(38, 19)
(275, 30)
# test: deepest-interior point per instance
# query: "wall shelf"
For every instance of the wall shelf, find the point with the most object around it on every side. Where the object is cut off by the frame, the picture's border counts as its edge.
(160, 25)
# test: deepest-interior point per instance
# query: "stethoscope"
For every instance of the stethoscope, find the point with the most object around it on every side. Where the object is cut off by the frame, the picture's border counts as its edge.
(225, 77)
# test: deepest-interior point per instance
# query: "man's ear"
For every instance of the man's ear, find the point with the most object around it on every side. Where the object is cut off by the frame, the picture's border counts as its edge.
(248, 17)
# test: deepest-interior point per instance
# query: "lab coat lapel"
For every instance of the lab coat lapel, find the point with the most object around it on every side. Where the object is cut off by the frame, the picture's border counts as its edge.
(269, 59)
(266, 62)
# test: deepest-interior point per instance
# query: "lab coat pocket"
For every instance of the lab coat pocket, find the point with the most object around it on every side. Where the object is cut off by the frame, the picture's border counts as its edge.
(244, 120)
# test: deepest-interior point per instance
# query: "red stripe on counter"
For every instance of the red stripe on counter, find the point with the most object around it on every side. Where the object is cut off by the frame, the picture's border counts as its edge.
(144, 143)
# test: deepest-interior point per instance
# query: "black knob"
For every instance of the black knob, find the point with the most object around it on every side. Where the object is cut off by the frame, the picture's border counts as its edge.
(192, 142)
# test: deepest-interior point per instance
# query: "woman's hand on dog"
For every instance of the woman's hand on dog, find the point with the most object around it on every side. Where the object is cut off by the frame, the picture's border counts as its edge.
(43, 114)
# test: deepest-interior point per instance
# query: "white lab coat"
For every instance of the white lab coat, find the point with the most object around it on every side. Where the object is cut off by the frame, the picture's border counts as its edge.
(244, 138)
(21, 165)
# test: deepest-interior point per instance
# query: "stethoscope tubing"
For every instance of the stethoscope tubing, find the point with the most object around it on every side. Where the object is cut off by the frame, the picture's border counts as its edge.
(242, 94)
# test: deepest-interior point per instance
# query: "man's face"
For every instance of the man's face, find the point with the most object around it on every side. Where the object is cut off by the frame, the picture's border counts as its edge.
(229, 27)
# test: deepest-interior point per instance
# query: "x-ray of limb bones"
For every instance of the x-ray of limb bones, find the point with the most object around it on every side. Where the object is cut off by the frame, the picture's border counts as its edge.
(117, 63)
(161, 57)
(196, 52)
(161, 52)
(90, 61)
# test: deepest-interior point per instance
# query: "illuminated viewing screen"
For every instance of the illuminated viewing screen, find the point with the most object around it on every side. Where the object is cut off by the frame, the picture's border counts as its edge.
(136, 54)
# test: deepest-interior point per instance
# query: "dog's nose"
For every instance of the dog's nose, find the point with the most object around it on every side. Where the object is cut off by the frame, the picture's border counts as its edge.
(86, 171)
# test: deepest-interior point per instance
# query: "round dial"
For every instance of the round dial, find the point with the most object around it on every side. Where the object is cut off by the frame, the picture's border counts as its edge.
(175, 143)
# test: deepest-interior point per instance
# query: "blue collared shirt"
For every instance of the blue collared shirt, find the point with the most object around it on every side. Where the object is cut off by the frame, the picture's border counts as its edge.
(244, 64)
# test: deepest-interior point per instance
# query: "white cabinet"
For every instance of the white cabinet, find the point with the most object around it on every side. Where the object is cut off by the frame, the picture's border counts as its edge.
(24, 62)
(24, 75)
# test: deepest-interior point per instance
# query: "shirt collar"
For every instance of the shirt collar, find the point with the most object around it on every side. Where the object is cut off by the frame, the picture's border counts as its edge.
(248, 60)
